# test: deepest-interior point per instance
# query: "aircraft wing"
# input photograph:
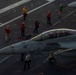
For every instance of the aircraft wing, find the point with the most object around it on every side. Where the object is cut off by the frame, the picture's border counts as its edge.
(67, 49)
(73, 4)
(62, 45)
(68, 45)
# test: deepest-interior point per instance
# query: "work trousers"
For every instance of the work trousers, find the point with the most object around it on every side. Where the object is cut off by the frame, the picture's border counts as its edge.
(35, 30)
(24, 16)
(22, 33)
(49, 21)
(7, 38)
(27, 63)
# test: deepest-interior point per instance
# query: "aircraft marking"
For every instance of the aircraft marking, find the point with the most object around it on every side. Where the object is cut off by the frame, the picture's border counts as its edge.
(13, 6)
(24, 46)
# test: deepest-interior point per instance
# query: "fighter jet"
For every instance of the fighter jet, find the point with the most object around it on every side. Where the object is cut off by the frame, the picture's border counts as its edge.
(73, 4)
(54, 39)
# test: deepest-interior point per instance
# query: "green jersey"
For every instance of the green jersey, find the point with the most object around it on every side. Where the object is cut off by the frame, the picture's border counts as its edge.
(60, 7)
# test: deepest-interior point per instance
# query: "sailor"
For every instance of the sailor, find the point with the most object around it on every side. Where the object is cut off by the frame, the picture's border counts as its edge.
(49, 17)
(52, 58)
(37, 23)
(22, 28)
(27, 61)
(24, 11)
(7, 30)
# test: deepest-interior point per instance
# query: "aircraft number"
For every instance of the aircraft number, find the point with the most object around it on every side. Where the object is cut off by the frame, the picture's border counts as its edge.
(24, 46)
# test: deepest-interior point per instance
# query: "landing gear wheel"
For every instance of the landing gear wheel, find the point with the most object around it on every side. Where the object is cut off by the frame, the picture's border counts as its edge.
(52, 60)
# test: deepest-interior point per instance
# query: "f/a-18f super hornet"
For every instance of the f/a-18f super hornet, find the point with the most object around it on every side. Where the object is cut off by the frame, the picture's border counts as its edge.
(73, 4)
(49, 40)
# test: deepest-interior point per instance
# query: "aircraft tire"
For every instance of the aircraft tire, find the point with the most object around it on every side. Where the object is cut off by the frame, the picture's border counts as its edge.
(52, 60)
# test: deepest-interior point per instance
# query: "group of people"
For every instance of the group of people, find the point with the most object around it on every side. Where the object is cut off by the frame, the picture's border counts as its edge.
(22, 29)
(36, 23)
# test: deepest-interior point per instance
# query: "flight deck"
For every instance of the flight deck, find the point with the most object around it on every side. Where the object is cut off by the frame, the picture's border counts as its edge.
(11, 64)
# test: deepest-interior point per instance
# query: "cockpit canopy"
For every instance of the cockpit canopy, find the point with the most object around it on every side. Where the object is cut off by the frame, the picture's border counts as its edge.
(54, 33)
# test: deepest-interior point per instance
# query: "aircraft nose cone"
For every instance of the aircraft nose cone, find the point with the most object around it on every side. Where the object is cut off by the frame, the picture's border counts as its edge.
(7, 50)
(70, 5)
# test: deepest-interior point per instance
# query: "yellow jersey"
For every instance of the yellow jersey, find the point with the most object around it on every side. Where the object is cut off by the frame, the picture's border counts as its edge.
(24, 11)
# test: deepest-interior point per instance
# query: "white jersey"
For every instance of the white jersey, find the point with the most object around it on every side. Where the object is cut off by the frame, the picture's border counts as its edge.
(27, 58)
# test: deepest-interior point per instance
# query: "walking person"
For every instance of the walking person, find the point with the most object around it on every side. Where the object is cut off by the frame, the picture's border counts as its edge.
(22, 28)
(36, 26)
(24, 11)
(49, 17)
(27, 61)
(22, 56)
(60, 10)
(7, 31)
